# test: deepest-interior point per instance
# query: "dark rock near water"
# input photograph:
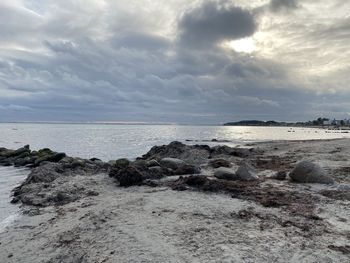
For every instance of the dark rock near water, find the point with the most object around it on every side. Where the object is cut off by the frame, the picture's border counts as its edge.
(129, 176)
(191, 154)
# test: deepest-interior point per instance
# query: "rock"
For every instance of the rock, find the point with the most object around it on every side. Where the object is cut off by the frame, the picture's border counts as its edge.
(226, 150)
(308, 172)
(191, 154)
(281, 175)
(187, 169)
(22, 155)
(121, 163)
(152, 163)
(62, 198)
(156, 172)
(129, 176)
(199, 180)
(343, 187)
(56, 157)
(7, 162)
(216, 163)
(76, 163)
(246, 172)
(140, 165)
(225, 174)
(19, 151)
(46, 155)
(172, 163)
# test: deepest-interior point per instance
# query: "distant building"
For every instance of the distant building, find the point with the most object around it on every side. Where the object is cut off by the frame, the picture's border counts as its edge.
(334, 122)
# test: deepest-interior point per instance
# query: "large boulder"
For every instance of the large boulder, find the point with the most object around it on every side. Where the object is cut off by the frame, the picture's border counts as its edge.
(308, 172)
(172, 163)
(246, 172)
(225, 174)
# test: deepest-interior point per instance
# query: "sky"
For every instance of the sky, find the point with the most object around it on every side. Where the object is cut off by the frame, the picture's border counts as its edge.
(174, 61)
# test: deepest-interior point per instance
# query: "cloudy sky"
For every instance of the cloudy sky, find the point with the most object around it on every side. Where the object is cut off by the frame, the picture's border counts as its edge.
(179, 61)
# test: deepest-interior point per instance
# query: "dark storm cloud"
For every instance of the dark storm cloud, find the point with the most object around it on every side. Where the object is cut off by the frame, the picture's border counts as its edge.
(213, 22)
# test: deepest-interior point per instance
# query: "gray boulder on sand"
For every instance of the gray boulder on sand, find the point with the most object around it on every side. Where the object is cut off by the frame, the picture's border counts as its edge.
(246, 172)
(225, 174)
(308, 172)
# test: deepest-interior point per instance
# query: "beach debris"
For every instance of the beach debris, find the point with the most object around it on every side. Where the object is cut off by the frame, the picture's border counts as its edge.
(309, 172)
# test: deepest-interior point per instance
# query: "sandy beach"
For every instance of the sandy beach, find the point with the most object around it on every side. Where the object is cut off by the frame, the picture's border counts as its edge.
(173, 219)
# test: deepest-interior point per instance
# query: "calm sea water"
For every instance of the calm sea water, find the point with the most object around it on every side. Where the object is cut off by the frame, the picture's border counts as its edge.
(109, 142)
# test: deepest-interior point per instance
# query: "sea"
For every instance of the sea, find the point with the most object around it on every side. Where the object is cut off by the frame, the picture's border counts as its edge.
(112, 141)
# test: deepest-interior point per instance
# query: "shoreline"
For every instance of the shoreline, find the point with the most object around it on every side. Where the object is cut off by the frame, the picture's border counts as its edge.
(74, 212)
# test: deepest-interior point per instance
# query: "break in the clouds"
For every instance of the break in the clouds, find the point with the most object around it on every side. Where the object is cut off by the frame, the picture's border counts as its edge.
(173, 61)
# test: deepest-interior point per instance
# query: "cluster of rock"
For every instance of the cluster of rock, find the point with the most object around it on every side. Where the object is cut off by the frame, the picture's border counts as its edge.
(135, 173)
(201, 162)
(231, 164)
(25, 157)
(47, 166)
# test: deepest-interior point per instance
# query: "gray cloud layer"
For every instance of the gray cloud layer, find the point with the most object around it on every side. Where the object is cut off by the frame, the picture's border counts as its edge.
(169, 62)
(212, 22)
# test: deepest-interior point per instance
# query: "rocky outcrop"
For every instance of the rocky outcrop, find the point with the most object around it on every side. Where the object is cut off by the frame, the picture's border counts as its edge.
(196, 154)
(47, 182)
(25, 157)
(191, 154)
(308, 172)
